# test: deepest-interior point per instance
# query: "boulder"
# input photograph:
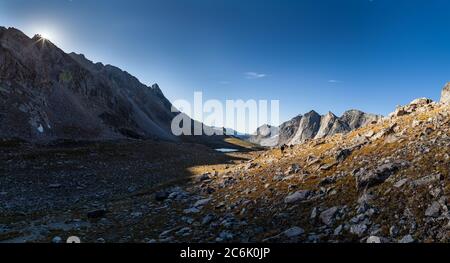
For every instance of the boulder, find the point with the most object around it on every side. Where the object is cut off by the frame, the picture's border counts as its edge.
(294, 232)
(202, 202)
(297, 196)
(328, 215)
(433, 210)
(373, 240)
(413, 106)
(341, 155)
(421, 101)
(401, 183)
(406, 239)
(338, 230)
(358, 229)
(427, 180)
(367, 179)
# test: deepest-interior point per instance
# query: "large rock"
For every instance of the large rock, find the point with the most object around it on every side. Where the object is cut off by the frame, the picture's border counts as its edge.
(433, 210)
(373, 240)
(358, 229)
(413, 106)
(445, 96)
(202, 202)
(294, 232)
(297, 196)
(407, 239)
(327, 216)
(367, 179)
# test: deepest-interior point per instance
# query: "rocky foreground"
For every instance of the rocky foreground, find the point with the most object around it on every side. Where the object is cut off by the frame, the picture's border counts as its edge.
(385, 182)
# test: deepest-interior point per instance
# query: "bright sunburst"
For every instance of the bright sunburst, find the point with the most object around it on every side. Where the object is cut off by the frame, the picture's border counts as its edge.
(45, 34)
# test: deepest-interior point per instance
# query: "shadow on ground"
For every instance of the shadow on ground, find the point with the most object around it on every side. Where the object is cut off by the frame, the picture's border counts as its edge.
(39, 180)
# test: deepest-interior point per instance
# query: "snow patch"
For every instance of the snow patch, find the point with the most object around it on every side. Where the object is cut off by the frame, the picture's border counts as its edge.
(40, 128)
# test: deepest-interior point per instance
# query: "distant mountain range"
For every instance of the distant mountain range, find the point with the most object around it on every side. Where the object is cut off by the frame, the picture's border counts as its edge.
(46, 94)
(311, 126)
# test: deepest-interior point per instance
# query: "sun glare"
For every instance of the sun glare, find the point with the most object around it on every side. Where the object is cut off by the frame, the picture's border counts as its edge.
(45, 35)
(45, 32)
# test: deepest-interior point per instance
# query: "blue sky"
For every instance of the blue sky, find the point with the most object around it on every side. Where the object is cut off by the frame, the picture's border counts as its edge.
(312, 54)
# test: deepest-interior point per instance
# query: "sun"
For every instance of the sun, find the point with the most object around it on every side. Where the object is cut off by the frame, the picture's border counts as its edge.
(46, 32)
(45, 35)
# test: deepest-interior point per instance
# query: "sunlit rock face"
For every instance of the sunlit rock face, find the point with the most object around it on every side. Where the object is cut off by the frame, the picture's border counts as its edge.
(289, 129)
(356, 118)
(445, 96)
(330, 124)
(316, 126)
(308, 127)
(46, 94)
(311, 126)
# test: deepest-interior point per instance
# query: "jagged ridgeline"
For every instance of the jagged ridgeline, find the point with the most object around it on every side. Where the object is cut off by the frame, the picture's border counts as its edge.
(46, 94)
(311, 126)
(315, 126)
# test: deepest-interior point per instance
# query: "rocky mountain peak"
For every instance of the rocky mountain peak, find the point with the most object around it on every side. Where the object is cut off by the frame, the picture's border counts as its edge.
(42, 43)
(308, 127)
(155, 88)
(46, 94)
(311, 114)
(288, 129)
(11, 37)
(13, 31)
(445, 96)
(264, 130)
(356, 118)
(329, 125)
(312, 125)
(330, 115)
(37, 37)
